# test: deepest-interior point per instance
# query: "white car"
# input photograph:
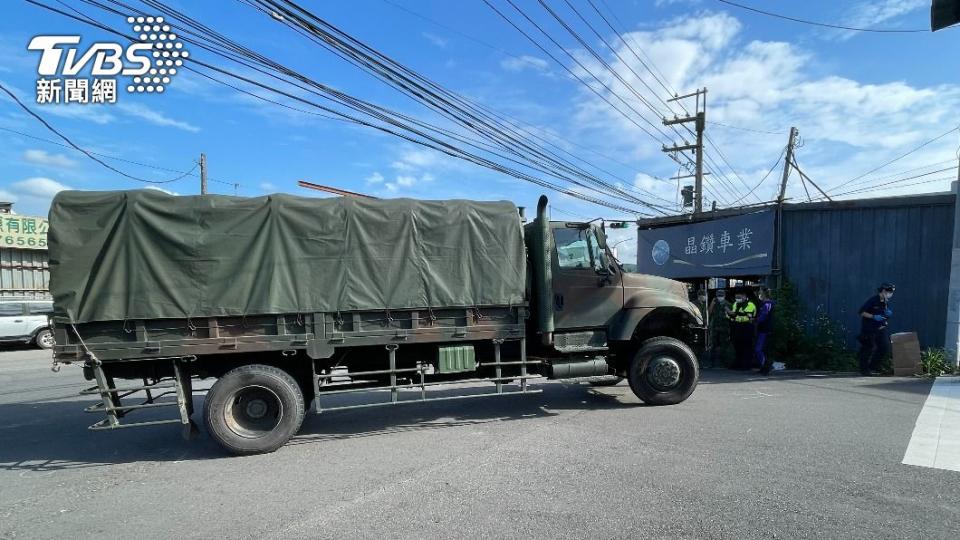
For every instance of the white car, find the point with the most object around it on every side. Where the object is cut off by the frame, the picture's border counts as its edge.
(26, 321)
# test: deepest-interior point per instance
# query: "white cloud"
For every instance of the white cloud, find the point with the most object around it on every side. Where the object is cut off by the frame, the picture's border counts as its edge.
(80, 112)
(848, 126)
(413, 159)
(525, 62)
(644, 181)
(407, 181)
(32, 196)
(434, 39)
(267, 186)
(375, 178)
(46, 159)
(39, 187)
(155, 117)
(873, 13)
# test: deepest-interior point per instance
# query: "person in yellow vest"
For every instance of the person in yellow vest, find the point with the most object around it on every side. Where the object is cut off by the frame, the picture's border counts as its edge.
(742, 315)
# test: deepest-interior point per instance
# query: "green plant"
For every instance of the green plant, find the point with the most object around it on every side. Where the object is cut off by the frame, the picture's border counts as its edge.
(935, 362)
(817, 342)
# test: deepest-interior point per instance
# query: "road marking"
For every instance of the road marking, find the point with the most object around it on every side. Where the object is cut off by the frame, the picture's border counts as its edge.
(935, 441)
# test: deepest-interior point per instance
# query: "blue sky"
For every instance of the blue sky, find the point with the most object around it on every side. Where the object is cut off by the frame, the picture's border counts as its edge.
(859, 99)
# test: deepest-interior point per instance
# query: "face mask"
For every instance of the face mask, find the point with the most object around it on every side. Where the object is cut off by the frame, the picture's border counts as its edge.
(887, 295)
(741, 299)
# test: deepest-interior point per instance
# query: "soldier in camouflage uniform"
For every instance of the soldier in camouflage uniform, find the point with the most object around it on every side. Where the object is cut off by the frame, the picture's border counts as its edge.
(719, 330)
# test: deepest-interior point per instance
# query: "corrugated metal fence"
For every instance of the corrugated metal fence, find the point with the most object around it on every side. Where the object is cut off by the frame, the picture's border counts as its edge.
(24, 272)
(836, 255)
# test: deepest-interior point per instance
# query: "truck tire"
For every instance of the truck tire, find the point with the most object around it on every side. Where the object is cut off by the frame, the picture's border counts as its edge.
(44, 339)
(254, 409)
(663, 371)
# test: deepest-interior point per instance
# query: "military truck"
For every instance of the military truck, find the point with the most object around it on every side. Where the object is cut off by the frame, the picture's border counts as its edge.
(290, 301)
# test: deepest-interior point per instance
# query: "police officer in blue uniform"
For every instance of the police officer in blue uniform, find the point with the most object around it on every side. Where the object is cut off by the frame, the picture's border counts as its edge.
(874, 316)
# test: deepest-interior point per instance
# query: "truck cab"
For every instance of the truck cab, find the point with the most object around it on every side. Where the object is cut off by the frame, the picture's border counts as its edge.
(591, 318)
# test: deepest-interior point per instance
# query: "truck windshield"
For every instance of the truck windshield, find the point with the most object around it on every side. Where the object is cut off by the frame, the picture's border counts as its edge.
(578, 248)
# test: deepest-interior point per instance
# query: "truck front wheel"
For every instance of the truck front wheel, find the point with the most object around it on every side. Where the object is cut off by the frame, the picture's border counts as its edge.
(663, 371)
(254, 409)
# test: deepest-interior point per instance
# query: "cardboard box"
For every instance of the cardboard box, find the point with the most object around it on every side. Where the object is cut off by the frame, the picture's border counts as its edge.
(906, 352)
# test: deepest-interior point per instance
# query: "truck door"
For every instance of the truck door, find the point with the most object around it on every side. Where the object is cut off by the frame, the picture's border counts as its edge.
(588, 289)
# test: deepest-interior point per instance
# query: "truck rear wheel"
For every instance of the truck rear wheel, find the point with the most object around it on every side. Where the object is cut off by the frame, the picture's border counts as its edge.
(254, 409)
(663, 371)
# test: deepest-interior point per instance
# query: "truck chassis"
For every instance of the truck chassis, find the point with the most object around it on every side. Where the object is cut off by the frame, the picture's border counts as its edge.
(306, 346)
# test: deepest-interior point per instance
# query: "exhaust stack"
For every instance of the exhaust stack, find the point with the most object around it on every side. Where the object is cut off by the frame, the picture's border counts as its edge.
(543, 273)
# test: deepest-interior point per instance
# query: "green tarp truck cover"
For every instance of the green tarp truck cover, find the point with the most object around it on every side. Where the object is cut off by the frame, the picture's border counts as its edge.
(144, 254)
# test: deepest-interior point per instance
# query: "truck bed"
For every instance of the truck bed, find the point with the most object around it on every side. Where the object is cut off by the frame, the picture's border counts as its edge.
(317, 334)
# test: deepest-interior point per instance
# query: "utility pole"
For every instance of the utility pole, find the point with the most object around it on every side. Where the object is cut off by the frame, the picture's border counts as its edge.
(778, 246)
(700, 119)
(787, 163)
(203, 174)
(952, 335)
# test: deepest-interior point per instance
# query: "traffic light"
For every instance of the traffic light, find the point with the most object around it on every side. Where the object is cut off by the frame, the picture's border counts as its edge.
(944, 13)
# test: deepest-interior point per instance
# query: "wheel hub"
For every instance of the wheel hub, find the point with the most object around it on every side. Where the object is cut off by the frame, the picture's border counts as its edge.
(253, 411)
(663, 373)
(256, 408)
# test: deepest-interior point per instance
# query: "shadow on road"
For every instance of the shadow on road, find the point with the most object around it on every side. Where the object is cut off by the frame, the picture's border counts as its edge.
(41, 436)
(879, 387)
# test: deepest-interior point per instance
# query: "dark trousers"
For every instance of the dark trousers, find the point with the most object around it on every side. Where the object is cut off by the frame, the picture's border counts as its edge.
(759, 353)
(874, 347)
(742, 334)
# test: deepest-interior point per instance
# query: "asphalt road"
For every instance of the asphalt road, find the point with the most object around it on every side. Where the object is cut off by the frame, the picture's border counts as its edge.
(791, 456)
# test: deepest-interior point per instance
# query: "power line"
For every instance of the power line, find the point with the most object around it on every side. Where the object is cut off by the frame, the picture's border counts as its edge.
(379, 114)
(434, 93)
(82, 150)
(898, 158)
(895, 182)
(764, 179)
(712, 166)
(662, 80)
(874, 188)
(108, 156)
(591, 73)
(451, 29)
(572, 214)
(567, 69)
(825, 25)
(459, 103)
(523, 125)
(646, 102)
(118, 158)
(715, 123)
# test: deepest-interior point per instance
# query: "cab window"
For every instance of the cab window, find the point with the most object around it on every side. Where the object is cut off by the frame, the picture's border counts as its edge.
(578, 248)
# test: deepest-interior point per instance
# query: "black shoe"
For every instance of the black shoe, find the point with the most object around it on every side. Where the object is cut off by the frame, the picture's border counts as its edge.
(865, 373)
(765, 370)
